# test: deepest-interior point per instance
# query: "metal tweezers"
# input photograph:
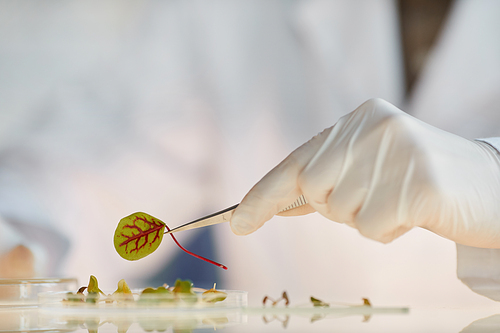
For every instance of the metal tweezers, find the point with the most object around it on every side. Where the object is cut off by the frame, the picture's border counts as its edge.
(225, 215)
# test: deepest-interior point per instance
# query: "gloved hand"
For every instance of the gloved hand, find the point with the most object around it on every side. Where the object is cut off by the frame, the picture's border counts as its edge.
(384, 172)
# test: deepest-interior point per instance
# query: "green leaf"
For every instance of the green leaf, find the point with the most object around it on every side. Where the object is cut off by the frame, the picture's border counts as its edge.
(183, 286)
(138, 235)
(158, 291)
(123, 288)
(182, 290)
(149, 290)
(160, 294)
(93, 286)
(123, 292)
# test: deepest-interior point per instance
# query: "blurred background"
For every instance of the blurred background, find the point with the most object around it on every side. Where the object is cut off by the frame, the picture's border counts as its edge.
(176, 108)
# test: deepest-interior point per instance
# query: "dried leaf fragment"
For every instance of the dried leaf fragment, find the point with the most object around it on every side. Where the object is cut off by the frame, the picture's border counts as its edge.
(213, 295)
(284, 297)
(319, 303)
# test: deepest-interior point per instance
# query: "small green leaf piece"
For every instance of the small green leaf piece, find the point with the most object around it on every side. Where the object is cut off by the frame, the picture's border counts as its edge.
(182, 290)
(149, 290)
(93, 286)
(160, 294)
(182, 286)
(138, 235)
(123, 292)
(123, 288)
(319, 303)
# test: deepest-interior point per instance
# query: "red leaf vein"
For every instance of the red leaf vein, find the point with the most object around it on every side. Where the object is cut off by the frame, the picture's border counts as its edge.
(153, 228)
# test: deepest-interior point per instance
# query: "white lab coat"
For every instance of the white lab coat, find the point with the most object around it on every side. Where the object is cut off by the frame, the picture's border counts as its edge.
(177, 109)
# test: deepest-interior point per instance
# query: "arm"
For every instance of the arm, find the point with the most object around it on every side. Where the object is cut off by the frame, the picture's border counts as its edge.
(384, 172)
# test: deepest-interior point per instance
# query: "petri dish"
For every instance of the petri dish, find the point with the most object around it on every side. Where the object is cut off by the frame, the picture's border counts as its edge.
(24, 292)
(19, 302)
(137, 303)
(151, 312)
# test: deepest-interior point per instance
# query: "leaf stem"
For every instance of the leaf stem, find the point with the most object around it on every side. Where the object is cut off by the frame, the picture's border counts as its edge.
(194, 254)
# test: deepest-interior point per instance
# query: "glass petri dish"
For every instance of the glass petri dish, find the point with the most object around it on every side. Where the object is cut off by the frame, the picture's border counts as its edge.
(19, 302)
(137, 303)
(24, 292)
(149, 313)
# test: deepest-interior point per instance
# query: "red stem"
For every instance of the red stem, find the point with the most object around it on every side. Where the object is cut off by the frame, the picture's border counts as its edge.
(193, 254)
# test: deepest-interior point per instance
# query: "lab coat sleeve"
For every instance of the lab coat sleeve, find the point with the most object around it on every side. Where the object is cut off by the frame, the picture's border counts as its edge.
(479, 268)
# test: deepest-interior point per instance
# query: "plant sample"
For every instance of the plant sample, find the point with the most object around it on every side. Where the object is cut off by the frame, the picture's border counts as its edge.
(139, 234)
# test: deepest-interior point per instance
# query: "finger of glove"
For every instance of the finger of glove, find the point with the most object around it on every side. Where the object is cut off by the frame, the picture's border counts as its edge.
(348, 195)
(297, 211)
(384, 214)
(276, 190)
(337, 178)
(332, 162)
(378, 218)
(399, 180)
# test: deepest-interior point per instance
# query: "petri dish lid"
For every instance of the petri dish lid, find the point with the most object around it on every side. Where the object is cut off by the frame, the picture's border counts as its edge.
(24, 291)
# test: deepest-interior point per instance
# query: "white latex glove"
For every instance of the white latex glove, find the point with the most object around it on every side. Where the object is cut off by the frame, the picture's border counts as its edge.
(384, 172)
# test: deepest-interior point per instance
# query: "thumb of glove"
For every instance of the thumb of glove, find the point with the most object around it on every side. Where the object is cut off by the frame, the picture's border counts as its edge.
(276, 189)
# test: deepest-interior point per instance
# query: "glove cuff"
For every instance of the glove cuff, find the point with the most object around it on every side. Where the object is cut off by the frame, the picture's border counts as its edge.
(479, 269)
(493, 142)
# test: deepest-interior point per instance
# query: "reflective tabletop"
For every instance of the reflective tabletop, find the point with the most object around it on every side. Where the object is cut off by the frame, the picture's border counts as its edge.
(423, 319)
